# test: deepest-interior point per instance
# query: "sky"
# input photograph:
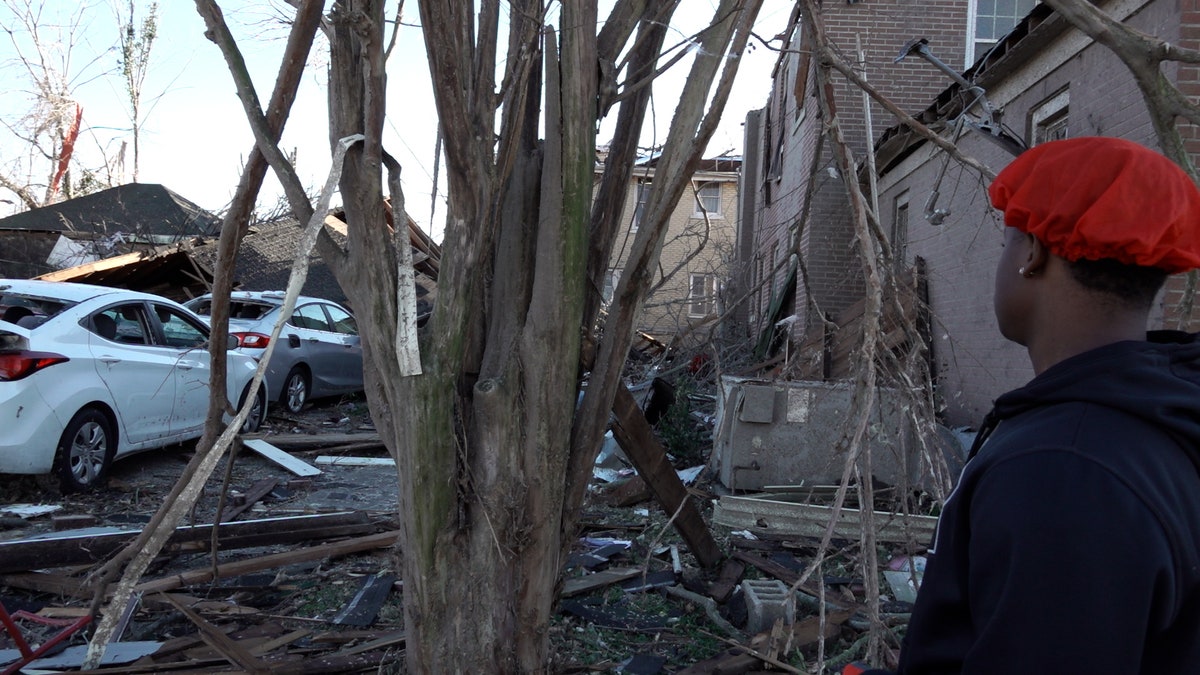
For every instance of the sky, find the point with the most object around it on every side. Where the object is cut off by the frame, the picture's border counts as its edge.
(194, 137)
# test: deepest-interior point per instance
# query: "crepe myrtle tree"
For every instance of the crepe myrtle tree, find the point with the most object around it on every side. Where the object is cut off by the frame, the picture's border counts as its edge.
(478, 407)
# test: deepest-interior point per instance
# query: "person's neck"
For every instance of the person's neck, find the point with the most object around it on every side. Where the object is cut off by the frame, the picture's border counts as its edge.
(1076, 332)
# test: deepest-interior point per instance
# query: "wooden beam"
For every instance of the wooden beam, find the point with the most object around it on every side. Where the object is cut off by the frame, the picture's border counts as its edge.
(381, 540)
(780, 515)
(87, 549)
(648, 456)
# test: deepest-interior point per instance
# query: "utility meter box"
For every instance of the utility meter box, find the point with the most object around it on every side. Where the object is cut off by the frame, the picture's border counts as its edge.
(791, 433)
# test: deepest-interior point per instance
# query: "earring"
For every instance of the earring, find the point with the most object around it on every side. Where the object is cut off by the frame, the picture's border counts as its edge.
(1021, 271)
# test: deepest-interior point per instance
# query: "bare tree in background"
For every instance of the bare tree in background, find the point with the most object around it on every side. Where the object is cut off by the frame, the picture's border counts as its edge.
(137, 39)
(49, 128)
(479, 407)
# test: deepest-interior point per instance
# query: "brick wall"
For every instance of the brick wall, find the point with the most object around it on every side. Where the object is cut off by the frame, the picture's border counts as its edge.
(974, 363)
(826, 241)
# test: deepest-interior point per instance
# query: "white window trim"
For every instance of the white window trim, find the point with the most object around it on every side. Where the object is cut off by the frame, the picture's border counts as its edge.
(707, 300)
(1049, 109)
(699, 211)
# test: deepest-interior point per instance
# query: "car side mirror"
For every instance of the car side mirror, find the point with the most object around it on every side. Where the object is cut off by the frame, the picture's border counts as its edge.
(294, 341)
(231, 342)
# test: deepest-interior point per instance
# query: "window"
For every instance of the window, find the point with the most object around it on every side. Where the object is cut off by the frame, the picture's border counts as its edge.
(342, 321)
(1048, 119)
(708, 199)
(702, 295)
(639, 211)
(125, 323)
(801, 60)
(311, 317)
(178, 331)
(899, 233)
(993, 20)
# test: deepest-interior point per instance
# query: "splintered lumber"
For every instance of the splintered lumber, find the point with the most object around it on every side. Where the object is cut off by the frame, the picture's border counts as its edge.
(591, 582)
(89, 548)
(257, 491)
(648, 456)
(354, 461)
(779, 514)
(319, 441)
(215, 638)
(199, 576)
(293, 464)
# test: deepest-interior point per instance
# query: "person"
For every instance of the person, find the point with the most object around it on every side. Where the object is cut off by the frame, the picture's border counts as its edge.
(1071, 543)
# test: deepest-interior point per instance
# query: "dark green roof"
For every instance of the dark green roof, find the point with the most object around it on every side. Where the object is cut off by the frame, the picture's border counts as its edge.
(144, 210)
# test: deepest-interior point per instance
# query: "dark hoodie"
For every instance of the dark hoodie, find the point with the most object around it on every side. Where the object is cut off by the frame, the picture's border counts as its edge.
(1072, 541)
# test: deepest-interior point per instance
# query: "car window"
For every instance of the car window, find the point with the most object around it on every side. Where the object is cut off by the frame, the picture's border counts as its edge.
(121, 323)
(201, 306)
(342, 321)
(27, 310)
(310, 316)
(249, 310)
(178, 330)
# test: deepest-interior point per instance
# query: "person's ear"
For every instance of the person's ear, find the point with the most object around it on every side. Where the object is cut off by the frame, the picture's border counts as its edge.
(1035, 258)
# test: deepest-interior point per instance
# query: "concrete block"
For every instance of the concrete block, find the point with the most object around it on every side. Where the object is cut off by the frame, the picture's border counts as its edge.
(766, 602)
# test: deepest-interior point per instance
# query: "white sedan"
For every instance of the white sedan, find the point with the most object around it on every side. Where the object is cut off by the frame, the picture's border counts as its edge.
(89, 374)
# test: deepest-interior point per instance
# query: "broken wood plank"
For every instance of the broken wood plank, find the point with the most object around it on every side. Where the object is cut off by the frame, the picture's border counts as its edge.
(215, 638)
(281, 641)
(355, 447)
(730, 577)
(324, 460)
(776, 514)
(648, 456)
(44, 582)
(383, 642)
(20, 555)
(591, 582)
(316, 441)
(257, 491)
(381, 540)
(293, 464)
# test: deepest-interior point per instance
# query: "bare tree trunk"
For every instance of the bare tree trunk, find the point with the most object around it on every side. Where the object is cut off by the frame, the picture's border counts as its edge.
(480, 437)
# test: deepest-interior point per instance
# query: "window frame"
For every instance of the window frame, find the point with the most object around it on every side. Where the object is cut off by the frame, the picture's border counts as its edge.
(701, 209)
(706, 301)
(978, 46)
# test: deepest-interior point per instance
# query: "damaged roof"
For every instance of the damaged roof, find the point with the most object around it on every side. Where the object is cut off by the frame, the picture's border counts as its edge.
(145, 210)
(1030, 35)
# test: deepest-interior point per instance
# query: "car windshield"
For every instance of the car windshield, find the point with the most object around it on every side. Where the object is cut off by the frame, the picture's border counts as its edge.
(16, 306)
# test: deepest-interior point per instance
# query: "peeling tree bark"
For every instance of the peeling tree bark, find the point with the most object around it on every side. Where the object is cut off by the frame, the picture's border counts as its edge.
(480, 437)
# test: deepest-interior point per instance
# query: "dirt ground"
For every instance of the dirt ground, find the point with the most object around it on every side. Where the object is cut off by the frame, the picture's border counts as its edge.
(297, 608)
(137, 484)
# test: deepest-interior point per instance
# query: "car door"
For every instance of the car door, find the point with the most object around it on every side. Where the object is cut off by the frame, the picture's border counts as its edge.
(187, 341)
(139, 376)
(317, 345)
(348, 359)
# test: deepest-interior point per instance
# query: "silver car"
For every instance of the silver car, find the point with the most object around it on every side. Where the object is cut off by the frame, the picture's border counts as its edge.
(319, 352)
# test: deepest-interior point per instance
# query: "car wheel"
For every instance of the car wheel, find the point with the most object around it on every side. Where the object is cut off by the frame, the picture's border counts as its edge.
(295, 390)
(258, 413)
(85, 451)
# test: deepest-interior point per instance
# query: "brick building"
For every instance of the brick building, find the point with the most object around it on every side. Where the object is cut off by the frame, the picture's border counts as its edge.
(1051, 81)
(686, 292)
(791, 184)
(1043, 80)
